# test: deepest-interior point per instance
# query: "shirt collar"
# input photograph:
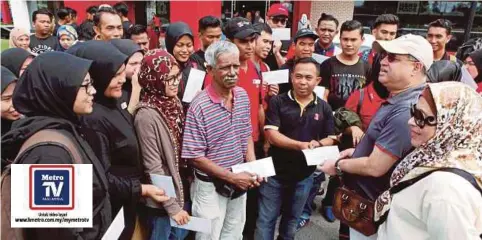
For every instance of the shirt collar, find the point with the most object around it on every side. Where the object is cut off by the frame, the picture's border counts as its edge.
(320, 48)
(214, 96)
(407, 95)
(291, 96)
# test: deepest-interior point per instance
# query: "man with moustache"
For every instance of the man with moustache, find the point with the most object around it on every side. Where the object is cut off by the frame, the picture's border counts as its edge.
(217, 136)
(327, 30)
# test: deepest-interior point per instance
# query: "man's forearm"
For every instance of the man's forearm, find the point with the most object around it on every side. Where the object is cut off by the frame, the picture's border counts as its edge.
(280, 60)
(278, 139)
(250, 155)
(328, 142)
(210, 168)
(357, 166)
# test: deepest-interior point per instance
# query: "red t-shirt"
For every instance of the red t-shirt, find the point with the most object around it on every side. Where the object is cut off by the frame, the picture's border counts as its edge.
(370, 104)
(249, 81)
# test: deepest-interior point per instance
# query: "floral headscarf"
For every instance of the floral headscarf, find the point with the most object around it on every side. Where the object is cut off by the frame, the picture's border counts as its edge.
(153, 74)
(457, 142)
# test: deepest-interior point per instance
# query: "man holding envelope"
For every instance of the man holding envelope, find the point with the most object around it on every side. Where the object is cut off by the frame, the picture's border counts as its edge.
(295, 121)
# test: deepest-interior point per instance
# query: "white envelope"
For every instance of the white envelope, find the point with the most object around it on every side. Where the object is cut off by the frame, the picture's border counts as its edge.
(276, 77)
(164, 182)
(261, 167)
(116, 227)
(195, 224)
(281, 34)
(194, 84)
(319, 155)
(319, 91)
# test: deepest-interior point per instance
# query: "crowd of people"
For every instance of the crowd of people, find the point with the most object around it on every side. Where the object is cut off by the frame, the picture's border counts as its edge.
(405, 114)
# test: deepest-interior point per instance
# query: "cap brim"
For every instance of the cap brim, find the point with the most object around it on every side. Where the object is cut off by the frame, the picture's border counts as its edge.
(245, 33)
(310, 35)
(279, 14)
(388, 46)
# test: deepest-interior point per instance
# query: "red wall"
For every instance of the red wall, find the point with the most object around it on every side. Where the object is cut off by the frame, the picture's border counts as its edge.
(6, 15)
(299, 8)
(81, 7)
(191, 11)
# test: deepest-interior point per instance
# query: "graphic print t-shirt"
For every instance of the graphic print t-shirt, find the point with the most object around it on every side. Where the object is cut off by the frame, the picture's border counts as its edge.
(342, 80)
(41, 45)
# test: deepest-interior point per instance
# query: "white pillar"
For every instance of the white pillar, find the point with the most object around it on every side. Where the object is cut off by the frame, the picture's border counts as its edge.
(20, 16)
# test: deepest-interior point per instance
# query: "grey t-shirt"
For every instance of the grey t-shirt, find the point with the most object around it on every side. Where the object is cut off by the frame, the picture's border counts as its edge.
(39, 45)
(389, 131)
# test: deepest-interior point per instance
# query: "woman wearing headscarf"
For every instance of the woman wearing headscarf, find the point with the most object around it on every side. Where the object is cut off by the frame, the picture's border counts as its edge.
(53, 98)
(67, 36)
(159, 121)
(113, 124)
(180, 44)
(16, 60)
(473, 63)
(436, 190)
(130, 89)
(445, 70)
(19, 38)
(9, 114)
(304, 22)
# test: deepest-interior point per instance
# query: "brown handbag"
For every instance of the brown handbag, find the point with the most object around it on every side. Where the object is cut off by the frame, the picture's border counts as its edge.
(354, 210)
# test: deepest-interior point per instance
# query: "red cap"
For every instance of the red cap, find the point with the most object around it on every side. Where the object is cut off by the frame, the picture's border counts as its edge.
(277, 10)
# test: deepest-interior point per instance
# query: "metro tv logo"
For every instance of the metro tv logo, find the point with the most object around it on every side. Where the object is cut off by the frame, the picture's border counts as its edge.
(51, 187)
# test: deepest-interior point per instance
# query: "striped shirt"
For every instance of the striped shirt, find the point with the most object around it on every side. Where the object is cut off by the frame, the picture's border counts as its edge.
(214, 132)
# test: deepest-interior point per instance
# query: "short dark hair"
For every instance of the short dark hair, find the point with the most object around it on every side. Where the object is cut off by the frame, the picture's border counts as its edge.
(262, 27)
(86, 31)
(386, 19)
(208, 22)
(121, 8)
(73, 12)
(136, 29)
(92, 9)
(307, 60)
(42, 11)
(62, 13)
(328, 17)
(100, 12)
(351, 25)
(442, 23)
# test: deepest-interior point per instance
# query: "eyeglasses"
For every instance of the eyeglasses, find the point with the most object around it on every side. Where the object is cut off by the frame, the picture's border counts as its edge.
(281, 20)
(174, 80)
(391, 57)
(420, 119)
(88, 85)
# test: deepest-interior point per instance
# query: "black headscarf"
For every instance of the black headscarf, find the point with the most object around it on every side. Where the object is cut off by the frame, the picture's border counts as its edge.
(477, 58)
(49, 86)
(106, 62)
(7, 77)
(444, 70)
(13, 59)
(126, 46)
(174, 32)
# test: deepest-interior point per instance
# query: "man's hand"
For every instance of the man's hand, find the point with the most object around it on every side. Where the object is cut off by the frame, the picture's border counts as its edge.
(157, 194)
(181, 217)
(328, 167)
(347, 153)
(357, 134)
(273, 89)
(244, 180)
(277, 46)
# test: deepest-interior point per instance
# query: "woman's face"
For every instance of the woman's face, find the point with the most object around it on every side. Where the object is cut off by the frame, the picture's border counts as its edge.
(8, 111)
(183, 49)
(133, 64)
(25, 65)
(471, 68)
(114, 90)
(66, 41)
(85, 96)
(172, 82)
(420, 135)
(23, 42)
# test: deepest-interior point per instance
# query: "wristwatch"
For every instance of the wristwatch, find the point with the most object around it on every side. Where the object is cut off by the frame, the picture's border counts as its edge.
(337, 168)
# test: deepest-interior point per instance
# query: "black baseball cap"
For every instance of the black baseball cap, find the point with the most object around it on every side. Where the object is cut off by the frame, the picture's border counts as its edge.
(239, 28)
(305, 32)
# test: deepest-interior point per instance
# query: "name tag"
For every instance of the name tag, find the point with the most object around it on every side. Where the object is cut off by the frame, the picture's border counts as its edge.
(124, 105)
(256, 81)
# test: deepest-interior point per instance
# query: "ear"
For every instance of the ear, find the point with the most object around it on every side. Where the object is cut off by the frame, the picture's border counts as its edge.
(209, 69)
(96, 30)
(449, 37)
(373, 31)
(318, 80)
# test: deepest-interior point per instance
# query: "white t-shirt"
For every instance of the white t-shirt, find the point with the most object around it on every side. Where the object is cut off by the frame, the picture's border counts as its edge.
(441, 206)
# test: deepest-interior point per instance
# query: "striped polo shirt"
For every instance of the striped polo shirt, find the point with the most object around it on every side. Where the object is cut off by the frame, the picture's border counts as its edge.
(214, 132)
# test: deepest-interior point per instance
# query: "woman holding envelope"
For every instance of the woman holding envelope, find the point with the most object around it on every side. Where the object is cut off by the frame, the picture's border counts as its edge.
(159, 121)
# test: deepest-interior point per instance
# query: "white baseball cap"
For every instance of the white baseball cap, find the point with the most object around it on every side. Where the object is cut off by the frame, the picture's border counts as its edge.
(414, 45)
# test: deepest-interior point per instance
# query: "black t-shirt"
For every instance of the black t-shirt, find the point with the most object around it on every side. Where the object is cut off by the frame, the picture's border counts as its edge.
(314, 123)
(342, 80)
(198, 57)
(39, 45)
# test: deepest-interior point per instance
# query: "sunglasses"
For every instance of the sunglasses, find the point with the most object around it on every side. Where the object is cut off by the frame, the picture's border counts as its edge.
(277, 20)
(420, 119)
(391, 57)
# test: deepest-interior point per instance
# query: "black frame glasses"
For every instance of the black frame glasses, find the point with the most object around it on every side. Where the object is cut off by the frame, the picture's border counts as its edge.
(420, 119)
(87, 85)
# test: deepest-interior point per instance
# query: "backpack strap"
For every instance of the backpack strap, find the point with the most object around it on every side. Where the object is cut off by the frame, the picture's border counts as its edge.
(360, 101)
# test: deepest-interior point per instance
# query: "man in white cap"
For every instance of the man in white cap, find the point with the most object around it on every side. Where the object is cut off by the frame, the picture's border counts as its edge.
(367, 168)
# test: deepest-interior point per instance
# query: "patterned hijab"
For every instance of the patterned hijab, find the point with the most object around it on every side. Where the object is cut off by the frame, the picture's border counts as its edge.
(153, 74)
(457, 142)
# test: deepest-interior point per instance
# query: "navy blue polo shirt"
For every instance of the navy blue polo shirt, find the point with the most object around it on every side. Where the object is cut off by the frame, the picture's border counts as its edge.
(313, 122)
(389, 131)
